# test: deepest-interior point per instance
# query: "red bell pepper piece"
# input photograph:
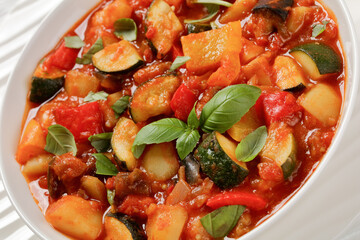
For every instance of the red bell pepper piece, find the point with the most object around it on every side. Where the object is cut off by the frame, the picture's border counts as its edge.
(63, 58)
(279, 106)
(82, 121)
(136, 206)
(248, 199)
(183, 102)
(176, 51)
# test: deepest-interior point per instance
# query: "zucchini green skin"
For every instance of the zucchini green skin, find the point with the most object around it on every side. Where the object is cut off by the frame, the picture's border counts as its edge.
(43, 89)
(197, 28)
(278, 7)
(217, 165)
(136, 231)
(325, 58)
(127, 62)
(297, 88)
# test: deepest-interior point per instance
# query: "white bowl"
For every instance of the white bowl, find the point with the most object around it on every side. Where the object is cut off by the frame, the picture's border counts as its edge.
(50, 31)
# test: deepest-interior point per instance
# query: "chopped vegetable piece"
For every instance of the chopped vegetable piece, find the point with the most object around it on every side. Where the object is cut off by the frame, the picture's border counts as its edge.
(317, 59)
(164, 24)
(248, 199)
(42, 89)
(216, 155)
(206, 49)
(153, 98)
(120, 226)
(289, 75)
(63, 57)
(323, 103)
(83, 121)
(278, 7)
(182, 102)
(119, 57)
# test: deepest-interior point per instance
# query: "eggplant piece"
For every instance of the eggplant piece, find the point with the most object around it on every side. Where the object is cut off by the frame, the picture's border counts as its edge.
(55, 186)
(278, 7)
(192, 169)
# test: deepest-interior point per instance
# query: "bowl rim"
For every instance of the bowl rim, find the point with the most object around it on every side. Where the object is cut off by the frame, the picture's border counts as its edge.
(296, 196)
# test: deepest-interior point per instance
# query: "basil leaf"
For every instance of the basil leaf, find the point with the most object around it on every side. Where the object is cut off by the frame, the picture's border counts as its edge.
(221, 221)
(101, 142)
(214, 2)
(251, 145)
(227, 107)
(60, 140)
(74, 42)
(104, 166)
(319, 28)
(110, 196)
(212, 9)
(164, 130)
(186, 143)
(93, 97)
(178, 62)
(192, 121)
(120, 105)
(87, 57)
(125, 28)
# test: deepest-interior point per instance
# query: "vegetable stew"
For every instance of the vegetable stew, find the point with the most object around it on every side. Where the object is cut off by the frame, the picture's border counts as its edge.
(174, 119)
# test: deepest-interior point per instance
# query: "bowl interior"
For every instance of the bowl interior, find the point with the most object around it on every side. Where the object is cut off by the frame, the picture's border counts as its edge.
(50, 31)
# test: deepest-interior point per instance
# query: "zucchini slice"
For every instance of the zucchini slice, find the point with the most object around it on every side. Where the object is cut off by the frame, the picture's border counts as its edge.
(216, 155)
(153, 97)
(196, 28)
(317, 59)
(278, 7)
(122, 139)
(322, 102)
(281, 147)
(289, 76)
(162, 27)
(43, 89)
(121, 226)
(160, 161)
(120, 57)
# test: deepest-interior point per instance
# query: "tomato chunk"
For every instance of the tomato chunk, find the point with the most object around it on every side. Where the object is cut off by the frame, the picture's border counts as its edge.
(63, 57)
(136, 206)
(82, 121)
(250, 200)
(279, 106)
(182, 102)
(270, 171)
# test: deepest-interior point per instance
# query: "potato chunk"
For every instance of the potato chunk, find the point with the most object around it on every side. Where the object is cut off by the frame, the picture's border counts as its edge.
(76, 217)
(165, 222)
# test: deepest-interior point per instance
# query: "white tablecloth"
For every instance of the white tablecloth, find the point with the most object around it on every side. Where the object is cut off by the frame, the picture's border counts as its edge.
(329, 210)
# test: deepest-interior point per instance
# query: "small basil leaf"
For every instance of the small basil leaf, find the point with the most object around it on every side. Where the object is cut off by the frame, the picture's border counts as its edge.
(120, 105)
(164, 130)
(74, 42)
(178, 62)
(125, 28)
(93, 97)
(221, 221)
(104, 166)
(101, 142)
(251, 145)
(192, 121)
(87, 57)
(212, 9)
(60, 140)
(214, 2)
(186, 143)
(110, 196)
(137, 150)
(319, 28)
(227, 107)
